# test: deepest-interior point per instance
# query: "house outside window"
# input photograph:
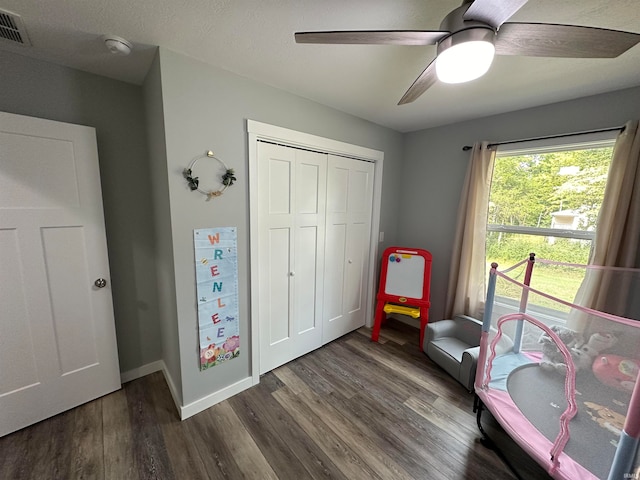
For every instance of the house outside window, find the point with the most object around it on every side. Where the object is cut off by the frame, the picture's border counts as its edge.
(545, 198)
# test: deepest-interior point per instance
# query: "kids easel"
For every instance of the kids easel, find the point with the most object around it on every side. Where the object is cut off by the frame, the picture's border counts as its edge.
(405, 282)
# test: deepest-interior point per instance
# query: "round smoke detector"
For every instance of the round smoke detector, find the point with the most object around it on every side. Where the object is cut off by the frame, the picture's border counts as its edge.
(117, 45)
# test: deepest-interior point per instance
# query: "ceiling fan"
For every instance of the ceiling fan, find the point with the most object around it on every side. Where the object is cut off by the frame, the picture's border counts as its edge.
(471, 34)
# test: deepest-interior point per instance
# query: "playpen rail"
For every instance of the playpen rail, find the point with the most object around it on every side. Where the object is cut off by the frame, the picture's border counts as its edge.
(569, 383)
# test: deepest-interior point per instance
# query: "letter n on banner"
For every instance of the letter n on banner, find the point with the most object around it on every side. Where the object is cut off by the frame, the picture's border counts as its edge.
(216, 261)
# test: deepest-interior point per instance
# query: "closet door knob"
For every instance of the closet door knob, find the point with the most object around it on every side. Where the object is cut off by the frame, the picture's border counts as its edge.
(100, 283)
(350, 261)
(292, 274)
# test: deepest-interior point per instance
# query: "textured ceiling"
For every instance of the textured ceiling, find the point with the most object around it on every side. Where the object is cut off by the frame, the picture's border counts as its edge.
(254, 38)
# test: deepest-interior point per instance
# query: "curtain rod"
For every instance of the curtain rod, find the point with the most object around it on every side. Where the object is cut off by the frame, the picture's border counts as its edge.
(600, 130)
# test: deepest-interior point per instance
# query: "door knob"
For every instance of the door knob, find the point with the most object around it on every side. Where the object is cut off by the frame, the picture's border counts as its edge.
(100, 283)
(292, 274)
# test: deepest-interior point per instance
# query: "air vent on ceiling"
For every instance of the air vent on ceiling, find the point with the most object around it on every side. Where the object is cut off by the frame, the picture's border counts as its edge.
(12, 28)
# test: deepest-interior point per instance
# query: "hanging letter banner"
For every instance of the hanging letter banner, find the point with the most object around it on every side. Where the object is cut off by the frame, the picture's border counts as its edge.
(216, 256)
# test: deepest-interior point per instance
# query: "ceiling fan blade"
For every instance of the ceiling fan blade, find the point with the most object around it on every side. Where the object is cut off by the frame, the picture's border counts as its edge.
(427, 78)
(493, 12)
(569, 41)
(373, 37)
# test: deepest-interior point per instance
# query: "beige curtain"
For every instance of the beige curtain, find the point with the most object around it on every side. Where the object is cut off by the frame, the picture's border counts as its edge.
(617, 233)
(465, 293)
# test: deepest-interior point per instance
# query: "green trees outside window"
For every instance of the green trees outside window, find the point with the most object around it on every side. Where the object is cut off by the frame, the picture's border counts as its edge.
(547, 202)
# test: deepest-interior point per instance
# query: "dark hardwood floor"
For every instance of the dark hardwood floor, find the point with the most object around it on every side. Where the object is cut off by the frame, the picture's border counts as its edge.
(352, 409)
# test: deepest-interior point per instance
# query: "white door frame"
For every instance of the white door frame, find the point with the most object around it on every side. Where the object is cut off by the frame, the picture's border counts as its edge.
(284, 136)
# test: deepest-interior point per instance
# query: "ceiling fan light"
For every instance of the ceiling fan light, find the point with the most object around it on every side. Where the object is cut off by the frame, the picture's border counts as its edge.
(464, 62)
(465, 56)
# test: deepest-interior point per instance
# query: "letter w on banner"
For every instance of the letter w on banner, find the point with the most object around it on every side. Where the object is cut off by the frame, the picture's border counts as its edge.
(216, 257)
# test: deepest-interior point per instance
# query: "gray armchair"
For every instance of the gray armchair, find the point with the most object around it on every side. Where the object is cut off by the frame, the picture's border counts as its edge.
(454, 346)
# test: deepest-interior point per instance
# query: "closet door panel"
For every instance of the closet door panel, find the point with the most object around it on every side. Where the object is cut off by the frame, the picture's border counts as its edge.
(360, 195)
(278, 308)
(349, 200)
(360, 191)
(338, 188)
(276, 172)
(354, 280)
(292, 192)
(310, 205)
(307, 189)
(306, 271)
(279, 193)
(336, 241)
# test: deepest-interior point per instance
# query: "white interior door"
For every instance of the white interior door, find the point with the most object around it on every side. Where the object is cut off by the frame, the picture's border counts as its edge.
(291, 204)
(348, 238)
(57, 334)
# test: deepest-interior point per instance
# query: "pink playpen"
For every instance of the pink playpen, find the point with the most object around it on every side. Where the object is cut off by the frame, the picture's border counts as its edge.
(560, 378)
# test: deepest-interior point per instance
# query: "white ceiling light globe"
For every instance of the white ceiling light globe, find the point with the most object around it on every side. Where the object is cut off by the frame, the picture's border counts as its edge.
(464, 62)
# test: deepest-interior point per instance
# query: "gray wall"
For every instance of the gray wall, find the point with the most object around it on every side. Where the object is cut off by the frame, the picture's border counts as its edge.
(115, 110)
(207, 108)
(159, 175)
(435, 166)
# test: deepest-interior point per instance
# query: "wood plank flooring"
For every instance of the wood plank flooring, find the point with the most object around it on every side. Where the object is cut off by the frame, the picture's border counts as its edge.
(352, 409)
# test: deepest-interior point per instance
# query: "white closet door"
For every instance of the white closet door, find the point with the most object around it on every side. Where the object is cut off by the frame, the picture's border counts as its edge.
(291, 229)
(349, 201)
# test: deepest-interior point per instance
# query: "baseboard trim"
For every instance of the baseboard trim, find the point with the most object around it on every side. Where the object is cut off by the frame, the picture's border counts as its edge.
(140, 372)
(216, 397)
(172, 387)
(193, 408)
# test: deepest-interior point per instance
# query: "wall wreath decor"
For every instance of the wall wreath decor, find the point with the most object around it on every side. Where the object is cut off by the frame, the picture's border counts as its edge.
(227, 176)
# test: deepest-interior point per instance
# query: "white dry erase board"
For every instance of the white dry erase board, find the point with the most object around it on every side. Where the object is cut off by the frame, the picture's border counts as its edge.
(405, 274)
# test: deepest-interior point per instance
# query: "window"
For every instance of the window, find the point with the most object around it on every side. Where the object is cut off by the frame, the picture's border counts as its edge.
(545, 199)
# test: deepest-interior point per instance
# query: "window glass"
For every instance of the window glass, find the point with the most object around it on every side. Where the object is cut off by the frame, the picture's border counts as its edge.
(546, 200)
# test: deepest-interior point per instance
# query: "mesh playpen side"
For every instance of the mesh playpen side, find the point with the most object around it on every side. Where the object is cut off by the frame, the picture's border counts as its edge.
(560, 378)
